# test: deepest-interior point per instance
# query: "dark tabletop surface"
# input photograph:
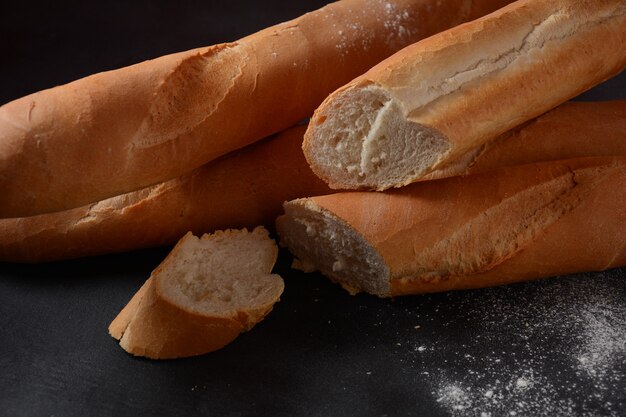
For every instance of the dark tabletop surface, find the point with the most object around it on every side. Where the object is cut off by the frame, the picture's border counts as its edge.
(552, 347)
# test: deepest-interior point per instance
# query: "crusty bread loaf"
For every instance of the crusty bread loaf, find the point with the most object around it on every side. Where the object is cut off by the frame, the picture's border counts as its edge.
(242, 189)
(436, 100)
(497, 227)
(203, 295)
(122, 130)
(248, 188)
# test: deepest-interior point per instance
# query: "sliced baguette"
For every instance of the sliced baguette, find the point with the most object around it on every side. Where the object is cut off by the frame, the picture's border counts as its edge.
(493, 228)
(248, 188)
(436, 100)
(203, 295)
(123, 130)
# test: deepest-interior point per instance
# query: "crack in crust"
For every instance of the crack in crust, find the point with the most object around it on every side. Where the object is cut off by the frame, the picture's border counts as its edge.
(493, 243)
(555, 27)
(190, 94)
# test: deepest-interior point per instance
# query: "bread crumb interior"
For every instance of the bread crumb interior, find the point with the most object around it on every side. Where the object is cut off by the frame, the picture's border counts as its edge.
(222, 273)
(364, 141)
(319, 238)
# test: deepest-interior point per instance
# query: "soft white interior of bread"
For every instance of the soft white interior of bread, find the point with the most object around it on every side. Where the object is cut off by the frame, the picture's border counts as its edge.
(222, 273)
(322, 240)
(364, 141)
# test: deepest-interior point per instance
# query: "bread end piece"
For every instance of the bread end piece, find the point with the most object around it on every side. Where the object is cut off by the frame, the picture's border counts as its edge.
(203, 295)
(319, 238)
(361, 139)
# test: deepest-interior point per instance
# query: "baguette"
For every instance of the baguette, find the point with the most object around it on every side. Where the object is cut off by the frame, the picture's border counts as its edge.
(203, 295)
(498, 227)
(436, 100)
(249, 187)
(123, 130)
(242, 189)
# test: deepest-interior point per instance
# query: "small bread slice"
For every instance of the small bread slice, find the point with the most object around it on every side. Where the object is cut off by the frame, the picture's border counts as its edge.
(202, 296)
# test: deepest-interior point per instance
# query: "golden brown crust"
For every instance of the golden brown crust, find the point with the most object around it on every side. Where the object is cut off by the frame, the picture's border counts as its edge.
(502, 226)
(122, 130)
(242, 189)
(572, 130)
(475, 81)
(120, 323)
(589, 237)
(159, 330)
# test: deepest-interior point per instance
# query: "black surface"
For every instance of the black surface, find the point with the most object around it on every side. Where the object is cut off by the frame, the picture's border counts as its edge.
(321, 351)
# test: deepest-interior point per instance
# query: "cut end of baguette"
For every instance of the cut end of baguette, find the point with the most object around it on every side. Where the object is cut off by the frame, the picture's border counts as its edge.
(322, 241)
(222, 273)
(361, 140)
(206, 292)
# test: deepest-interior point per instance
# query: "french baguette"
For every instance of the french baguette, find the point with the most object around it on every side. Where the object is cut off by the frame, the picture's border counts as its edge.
(242, 189)
(436, 100)
(248, 187)
(123, 130)
(202, 296)
(498, 227)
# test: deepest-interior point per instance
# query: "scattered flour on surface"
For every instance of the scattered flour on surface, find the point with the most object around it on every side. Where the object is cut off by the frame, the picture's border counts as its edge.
(603, 342)
(563, 354)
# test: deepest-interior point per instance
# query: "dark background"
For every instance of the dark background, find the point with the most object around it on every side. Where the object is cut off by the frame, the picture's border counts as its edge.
(321, 352)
